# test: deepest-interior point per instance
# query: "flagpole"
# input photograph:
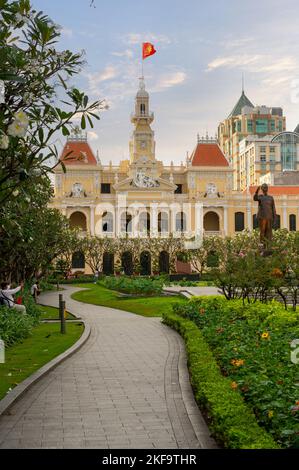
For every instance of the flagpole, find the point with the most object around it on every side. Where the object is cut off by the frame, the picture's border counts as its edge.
(142, 61)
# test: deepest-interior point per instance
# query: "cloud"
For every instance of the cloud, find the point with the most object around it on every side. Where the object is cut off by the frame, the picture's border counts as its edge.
(97, 78)
(170, 80)
(138, 38)
(127, 53)
(233, 61)
(235, 43)
(108, 73)
(92, 135)
(67, 32)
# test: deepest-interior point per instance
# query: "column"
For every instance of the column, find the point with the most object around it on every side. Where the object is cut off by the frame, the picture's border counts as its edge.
(225, 220)
(154, 219)
(249, 216)
(135, 220)
(92, 220)
(172, 227)
(198, 229)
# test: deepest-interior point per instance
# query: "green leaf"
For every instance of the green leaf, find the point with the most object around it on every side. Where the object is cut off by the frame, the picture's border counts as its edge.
(63, 167)
(41, 134)
(65, 131)
(12, 77)
(62, 81)
(85, 101)
(83, 122)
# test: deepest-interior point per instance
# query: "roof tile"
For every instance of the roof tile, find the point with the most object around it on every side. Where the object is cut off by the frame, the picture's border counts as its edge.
(208, 154)
(81, 153)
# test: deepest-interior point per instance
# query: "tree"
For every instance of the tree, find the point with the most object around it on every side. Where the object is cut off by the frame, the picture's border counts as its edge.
(94, 249)
(39, 101)
(32, 236)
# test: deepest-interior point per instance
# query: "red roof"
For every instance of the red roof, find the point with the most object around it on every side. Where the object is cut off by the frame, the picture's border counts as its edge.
(208, 155)
(278, 190)
(81, 153)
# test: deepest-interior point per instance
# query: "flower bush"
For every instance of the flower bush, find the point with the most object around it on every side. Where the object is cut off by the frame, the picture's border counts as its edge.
(37, 97)
(251, 344)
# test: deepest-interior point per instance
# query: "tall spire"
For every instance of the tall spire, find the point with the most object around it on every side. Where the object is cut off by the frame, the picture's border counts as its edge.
(242, 83)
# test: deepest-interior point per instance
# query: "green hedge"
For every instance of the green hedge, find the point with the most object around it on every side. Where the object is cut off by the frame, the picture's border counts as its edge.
(231, 421)
(134, 285)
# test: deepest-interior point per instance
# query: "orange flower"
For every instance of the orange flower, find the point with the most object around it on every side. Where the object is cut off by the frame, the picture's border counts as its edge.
(265, 335)
(234, 385)
(202, 311)
(276, 272)
(237, 362)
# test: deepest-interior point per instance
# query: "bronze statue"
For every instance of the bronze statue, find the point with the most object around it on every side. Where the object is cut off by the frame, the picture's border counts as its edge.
(266, 214)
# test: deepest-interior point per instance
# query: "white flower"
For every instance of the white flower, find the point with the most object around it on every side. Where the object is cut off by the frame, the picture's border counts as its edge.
(16, 130)
(15, 193)
(4, 142)
(22, 119)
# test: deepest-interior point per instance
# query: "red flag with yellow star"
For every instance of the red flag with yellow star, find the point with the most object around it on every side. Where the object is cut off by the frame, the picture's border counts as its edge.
(147, 50)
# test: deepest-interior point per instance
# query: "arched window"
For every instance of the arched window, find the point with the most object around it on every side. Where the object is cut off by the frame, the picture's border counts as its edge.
(255, 222)
(108, 263)
(127, 263)
(145, 263)
(78, 220)
(211, 222)
(180, 222)
(276, 225)
(164, 262)
(142, 108)
(78, 260)
(107, 222)
(292, 223)
(126, 222)
(162, 222)
(144, 222)
(239, 221)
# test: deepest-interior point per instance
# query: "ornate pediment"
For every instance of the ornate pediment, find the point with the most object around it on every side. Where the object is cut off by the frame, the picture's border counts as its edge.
(144, 182)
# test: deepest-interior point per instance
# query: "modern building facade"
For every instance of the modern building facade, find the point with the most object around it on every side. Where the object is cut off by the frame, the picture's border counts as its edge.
(245, 120)
(142, 197)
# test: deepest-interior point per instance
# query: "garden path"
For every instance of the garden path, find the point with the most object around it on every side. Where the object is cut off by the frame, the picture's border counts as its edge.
(127, 387)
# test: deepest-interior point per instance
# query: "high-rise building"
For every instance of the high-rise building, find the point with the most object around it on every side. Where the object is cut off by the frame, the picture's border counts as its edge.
(244, 120)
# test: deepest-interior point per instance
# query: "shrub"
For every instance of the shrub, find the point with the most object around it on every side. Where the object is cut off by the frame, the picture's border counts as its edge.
(14, 327)
(231, 421)
(137, 285)
(251, 344)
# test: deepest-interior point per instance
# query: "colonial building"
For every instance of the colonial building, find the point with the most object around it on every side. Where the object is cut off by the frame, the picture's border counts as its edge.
(144, 197)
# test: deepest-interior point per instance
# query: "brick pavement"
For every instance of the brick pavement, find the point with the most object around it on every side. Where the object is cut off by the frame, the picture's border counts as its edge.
(127, 387)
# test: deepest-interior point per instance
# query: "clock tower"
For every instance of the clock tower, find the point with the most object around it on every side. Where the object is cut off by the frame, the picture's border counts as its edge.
(142, 144)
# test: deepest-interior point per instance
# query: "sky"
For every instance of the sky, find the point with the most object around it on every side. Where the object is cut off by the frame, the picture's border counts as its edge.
(194, 79)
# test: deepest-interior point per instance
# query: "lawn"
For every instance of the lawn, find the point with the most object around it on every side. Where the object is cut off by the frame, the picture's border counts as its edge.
(146, 306)
(52, 313)
(45, 343)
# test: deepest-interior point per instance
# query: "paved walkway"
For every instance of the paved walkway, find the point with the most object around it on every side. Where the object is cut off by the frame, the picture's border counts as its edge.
(127, 387)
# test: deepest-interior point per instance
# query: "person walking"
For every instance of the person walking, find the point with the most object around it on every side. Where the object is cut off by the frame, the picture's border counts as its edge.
(35, 291)
(96, 276)
(6, 293)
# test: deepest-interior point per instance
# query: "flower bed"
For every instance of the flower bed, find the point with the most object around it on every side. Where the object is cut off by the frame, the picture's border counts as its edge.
(230, 420)
(251, 344)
